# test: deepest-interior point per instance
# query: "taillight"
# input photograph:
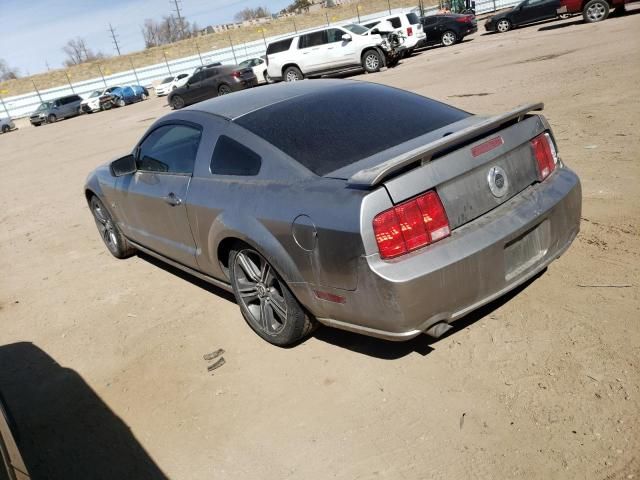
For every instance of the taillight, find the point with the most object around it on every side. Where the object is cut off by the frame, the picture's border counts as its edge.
(235, 74)
(409, 31)
(545, 153)
(411, 225)
(464, 19)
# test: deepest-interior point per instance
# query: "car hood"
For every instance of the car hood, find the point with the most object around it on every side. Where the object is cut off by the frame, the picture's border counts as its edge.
(500, 15)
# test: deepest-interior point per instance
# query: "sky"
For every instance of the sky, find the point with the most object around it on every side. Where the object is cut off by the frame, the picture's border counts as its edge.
(34, 31)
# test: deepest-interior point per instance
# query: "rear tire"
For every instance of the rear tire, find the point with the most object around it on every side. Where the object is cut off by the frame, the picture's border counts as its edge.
(5, 128)
(143, 97)
(224, 89)
(449, 38)
(265, 301)
(292, 74)
(267, 78)
(371, 61)
(595, 11)
(111, 235)
(177, 102)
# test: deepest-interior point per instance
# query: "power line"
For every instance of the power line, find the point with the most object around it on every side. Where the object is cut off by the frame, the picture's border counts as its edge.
(115, 39)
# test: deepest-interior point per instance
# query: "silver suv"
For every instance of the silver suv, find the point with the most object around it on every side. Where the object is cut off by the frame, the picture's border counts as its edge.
(54, 110)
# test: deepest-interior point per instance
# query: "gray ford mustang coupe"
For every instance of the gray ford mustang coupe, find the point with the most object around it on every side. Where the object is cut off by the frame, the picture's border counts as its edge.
(347, 203)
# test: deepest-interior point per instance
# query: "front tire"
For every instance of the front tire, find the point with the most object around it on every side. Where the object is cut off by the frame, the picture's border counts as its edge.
(595, 11)
(143, 97)
(120, 102)
(51, 118)
(371, 61)
(111, 235)
(449, 38)
(504, 26)
(292, 74)
(265, 301)
(177, 102)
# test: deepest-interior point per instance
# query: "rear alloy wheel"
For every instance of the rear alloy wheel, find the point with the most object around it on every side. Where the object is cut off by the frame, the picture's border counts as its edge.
(143, 97)
(503, 25)
(51, 118)
(371, 61)
(267, 78)
(224, 90)
(595, 11)
(449, 38)
(293, 74)
(109, 231)
(177, 102)
(265, 301)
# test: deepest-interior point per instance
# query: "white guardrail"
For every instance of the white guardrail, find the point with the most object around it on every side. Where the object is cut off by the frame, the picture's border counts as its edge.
(23, 105)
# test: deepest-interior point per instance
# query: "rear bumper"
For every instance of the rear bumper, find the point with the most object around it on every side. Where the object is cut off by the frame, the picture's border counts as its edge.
(481, 261)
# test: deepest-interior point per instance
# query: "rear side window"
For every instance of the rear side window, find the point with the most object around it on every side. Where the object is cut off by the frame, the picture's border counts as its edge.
(169, 149)
(395, 22)
(413, 18)
(335, 127)
(313, 39)
(279, 46)
(233, 158)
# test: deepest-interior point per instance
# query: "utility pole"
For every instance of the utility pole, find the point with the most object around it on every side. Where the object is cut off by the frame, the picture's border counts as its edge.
(115, 39)
(180, 17)
(47, 64)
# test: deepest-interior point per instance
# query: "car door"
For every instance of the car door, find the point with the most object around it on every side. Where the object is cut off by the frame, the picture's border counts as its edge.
(152, 200)
(340, 52)
(193, 88)
(526, 12)
(314, 54)
(430, 25)
(544, 9)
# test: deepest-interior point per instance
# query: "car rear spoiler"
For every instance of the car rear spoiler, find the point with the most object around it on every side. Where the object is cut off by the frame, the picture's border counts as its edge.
(370, 177)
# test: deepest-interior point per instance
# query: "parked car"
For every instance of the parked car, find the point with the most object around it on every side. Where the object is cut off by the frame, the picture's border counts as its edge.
(347, 203)
(171, 83)
(410, 26)
(54, 110)
(97, 101)
(528, 11)
(322, 52)
(259, 67)
(592, 10)
(12, 465)
(448, 28)
(6, 125)
(211, 82)
(128, 94)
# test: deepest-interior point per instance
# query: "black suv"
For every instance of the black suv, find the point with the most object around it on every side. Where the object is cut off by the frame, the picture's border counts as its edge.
(54, 110)
(448, 28)
(210, 81)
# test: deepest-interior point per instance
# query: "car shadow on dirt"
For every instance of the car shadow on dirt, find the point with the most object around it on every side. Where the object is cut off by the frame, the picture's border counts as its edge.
(422, 344)
(62, 427)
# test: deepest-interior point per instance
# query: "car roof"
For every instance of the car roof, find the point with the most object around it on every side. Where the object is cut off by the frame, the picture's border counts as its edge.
(252, 99)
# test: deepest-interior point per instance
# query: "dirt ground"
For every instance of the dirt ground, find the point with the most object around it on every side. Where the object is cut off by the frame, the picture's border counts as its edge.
(544, 383)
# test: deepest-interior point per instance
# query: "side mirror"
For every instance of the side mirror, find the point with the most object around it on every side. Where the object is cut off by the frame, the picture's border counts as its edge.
(123, 166)
(346, 37)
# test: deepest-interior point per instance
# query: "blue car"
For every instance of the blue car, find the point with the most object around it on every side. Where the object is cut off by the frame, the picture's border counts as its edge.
(122, 96)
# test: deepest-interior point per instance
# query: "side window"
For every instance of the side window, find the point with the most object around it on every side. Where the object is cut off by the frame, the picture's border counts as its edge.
(313, 39)
(196, 77)
(169, 149)
(279, 46)
(233, 158)
(428, 21)
(395, 22)
(210, 72)
(334, 35)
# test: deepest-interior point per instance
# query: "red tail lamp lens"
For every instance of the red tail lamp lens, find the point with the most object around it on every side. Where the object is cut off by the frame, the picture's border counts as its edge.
(545, 153)
(411, 225)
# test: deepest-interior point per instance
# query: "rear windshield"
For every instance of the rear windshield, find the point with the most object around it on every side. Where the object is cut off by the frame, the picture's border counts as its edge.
(335, 127)
(413, 18)
(166, 80)
(279, 46)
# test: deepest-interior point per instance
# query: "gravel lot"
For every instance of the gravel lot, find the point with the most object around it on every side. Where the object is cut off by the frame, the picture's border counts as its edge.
(542, 384)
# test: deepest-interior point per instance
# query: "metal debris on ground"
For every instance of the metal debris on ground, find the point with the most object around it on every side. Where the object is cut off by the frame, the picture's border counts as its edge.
(212, 355)
(217, 364)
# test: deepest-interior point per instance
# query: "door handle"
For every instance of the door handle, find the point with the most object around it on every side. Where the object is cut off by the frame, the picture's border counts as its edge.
(173, 200)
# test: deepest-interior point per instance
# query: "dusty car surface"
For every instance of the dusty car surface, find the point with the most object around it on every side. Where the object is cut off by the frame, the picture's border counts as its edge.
(300, 200)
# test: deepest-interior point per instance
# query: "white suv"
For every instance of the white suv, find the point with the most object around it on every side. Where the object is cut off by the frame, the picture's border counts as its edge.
(319, 52)
(410, 26)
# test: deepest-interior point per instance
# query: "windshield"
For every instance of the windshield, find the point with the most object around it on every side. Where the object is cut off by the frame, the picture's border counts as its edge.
(357, 29)
(166, 80)
(95, 94)
(44, 106)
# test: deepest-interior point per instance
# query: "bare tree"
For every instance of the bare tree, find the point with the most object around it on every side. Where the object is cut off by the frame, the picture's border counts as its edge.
(168, 30)
(77, 52)
(252, 13)
(6, 72)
